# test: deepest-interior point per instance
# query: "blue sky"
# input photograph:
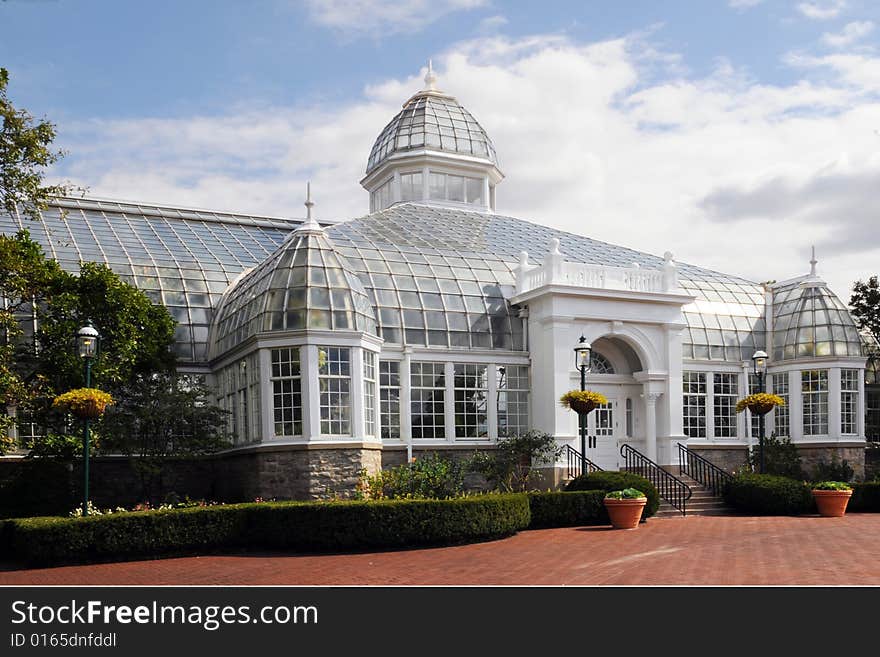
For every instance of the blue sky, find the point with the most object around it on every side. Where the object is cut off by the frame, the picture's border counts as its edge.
(659, 125)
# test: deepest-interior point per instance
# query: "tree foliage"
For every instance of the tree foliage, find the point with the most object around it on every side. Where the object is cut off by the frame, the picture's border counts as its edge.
(865, 308)
(25, 152)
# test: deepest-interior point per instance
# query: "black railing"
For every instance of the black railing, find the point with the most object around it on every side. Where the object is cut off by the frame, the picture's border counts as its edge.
(671, 488)
(577, 463)
(699, 469)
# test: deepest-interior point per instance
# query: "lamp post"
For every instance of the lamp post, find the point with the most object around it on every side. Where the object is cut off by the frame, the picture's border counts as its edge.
(87, 346)
(759, 366)
(583, 352)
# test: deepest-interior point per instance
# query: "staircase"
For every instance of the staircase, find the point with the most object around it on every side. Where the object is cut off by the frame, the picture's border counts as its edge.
(701, 503)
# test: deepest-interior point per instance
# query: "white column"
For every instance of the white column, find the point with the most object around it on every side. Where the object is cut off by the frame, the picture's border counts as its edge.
(396, 191)
(651, 423)
(311, 398)
(267, 396)
(425, 187)
(795, 406)
(710, 406)
(492, 401)
(449, 406)
(834, 403)
(358, 424)
(861, 405)
(486, 191)
(406, 401)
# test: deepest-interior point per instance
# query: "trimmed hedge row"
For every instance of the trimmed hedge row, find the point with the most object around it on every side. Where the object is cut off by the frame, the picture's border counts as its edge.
(567, 509)
(606, 480)
(302, 526)
(769, 495)
(865, 497)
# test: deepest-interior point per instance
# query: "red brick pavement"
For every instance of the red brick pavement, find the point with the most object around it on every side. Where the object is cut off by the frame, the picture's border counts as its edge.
(721, 550)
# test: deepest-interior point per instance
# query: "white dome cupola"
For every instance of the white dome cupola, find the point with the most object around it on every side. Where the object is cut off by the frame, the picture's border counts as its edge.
(433, 151)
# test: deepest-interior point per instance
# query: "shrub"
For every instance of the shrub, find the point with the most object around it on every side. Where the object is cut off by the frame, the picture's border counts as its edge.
(768, 495)
(430, 477)
(567, 509)
(303, 526)
(37, 487)
(865, 497)
(836, 470)
(608, 481)
(781, 458)
(509, 467)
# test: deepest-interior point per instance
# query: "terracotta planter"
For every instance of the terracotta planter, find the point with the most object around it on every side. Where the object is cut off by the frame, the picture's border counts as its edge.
(832, 503)
(625, 514)
(582, 407)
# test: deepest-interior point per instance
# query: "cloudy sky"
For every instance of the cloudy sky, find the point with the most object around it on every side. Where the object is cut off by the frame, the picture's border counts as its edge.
(735, 133)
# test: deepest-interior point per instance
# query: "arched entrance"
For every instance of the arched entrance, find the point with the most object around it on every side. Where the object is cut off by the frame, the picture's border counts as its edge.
(622, 420)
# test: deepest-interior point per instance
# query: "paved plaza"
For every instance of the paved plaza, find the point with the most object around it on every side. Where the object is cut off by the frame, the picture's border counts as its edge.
(713, 550)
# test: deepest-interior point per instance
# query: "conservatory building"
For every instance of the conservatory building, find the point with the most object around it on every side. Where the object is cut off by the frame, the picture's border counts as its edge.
(438, 323)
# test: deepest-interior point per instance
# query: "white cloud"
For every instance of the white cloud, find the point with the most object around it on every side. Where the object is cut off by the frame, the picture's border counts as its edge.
(723, 170)
(821, 11)
(492, 23)
(850, 34)
(743, 4)
(379, 17)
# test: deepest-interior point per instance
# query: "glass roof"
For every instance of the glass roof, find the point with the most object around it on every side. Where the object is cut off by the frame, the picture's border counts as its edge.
(305, 284)
(434, 276)
(810, 321)
(436, 122)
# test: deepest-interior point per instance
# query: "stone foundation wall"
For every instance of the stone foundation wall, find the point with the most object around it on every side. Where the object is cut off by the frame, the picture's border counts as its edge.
(728, 458)
(731, 458)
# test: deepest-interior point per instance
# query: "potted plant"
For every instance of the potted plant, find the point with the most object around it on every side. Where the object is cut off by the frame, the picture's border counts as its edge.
(760, 403)
(831, 498)
(625, 507)
(582, 401)
(83, 402)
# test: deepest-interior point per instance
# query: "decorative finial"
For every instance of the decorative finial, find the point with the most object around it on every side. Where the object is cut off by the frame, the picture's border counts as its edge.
(310, 223)
(813, 263)
(430, 78)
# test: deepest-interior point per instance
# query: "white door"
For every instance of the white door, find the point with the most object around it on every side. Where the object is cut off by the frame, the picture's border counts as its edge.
(603, 430)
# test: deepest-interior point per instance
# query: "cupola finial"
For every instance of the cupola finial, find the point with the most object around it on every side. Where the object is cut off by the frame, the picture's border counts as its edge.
(310, 223)
(813, 263)
(430, 78)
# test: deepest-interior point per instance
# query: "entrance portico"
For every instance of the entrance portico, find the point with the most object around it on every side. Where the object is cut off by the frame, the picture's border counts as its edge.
(632, 317)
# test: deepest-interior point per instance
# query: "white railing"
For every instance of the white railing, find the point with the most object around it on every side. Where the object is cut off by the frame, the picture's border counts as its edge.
(555, 270)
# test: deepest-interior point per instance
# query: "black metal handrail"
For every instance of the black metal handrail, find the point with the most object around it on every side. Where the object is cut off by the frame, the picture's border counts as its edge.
(671, 488)
(700, 469)
(577, 462)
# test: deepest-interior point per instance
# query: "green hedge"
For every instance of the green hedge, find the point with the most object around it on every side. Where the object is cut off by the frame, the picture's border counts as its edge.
(305, 526)
(567, 509)
(770, 495)
(609, 480)
(865, 497)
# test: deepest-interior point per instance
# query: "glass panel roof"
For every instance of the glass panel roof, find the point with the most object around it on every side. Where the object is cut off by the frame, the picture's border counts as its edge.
(810, 321)
(436, 122)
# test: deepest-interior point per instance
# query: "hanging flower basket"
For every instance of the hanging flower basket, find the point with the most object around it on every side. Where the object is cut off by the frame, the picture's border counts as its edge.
(760, 403)
(85, 403)
(582, 401)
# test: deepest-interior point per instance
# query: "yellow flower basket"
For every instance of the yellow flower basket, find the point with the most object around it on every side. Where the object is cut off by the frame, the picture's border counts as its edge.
(760, 403)
(582, 401)
(83, 402)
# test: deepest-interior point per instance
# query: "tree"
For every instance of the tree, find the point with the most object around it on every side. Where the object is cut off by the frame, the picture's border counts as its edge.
(510, 466)
(36, 365)
(159, 417)
(865, 307)
(25, 151)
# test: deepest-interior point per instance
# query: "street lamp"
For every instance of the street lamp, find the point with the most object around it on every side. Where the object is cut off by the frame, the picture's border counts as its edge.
(583, 354)
(87, 347)
(759, 366)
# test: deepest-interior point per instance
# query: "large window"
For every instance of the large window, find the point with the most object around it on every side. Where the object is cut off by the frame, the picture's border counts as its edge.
(781, 414)
(411, 186)
(814, 388)
(694, 404)
(872, 414)
(254, 393)
(389, 398)
(287, 392)
(513, 400)
(446, 187)
(725, 393)
(471, 395)
(428, 401)
(382, 197)
(334, 386)
(370, 392)
(849, 402)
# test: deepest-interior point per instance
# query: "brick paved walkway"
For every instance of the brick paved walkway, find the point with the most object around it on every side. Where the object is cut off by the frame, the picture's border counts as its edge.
(717, 550)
